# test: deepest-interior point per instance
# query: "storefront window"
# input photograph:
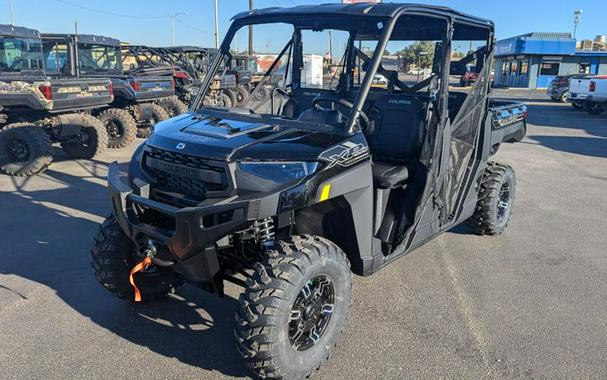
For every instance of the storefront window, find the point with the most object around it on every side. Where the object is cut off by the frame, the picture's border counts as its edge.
(524, 67)
(513, 67)
(549, 68)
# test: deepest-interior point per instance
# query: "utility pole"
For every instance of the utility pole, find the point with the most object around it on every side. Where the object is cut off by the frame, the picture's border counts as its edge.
(250, 30)
(576, 21)
(173, 17)
(10, 10)
(330, 48)
(216, 27)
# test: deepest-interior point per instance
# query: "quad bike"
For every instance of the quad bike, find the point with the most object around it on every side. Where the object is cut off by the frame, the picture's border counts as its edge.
(288, 199)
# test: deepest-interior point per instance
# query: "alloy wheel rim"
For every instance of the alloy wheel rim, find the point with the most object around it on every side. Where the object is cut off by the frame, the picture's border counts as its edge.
(18, 150)
(311, 313)
(503, 202)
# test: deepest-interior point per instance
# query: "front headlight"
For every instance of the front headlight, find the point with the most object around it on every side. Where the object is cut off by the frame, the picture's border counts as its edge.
(266, 176)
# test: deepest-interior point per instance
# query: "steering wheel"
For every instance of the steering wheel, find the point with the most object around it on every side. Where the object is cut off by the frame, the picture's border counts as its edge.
(339, 102)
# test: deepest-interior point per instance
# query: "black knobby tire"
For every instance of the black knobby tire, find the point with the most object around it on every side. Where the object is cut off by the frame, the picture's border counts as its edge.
(232, 95)
(224, 100)
(264, 319)
(91, 141)
(25, 149)
(157, 114)
(120, 125)
(261, 93)
(242, 96)
(495, 200)
(113, 257)
(173, 106)
(593, 108)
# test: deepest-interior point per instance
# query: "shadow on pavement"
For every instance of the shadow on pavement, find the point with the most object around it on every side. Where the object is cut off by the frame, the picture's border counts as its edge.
(191, 326)
(587, 146)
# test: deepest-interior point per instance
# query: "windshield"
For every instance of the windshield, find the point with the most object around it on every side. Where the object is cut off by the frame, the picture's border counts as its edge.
(18, 54)
(95, 58)
(283, 72)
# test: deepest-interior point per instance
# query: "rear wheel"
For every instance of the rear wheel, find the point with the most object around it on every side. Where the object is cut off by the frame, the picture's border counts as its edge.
(121, 127)
(294, 308)
(25, 149)
(565, 96)
(90, 141)
(593, 108)
(495, 200)
(113, 256)
(173, 106)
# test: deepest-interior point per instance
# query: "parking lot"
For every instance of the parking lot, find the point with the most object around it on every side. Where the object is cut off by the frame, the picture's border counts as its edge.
(528, 303)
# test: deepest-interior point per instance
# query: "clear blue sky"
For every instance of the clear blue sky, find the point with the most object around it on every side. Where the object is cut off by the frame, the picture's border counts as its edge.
(151, 23)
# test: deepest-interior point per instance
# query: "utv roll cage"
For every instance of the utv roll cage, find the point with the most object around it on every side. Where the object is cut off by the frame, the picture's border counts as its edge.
(368, 22)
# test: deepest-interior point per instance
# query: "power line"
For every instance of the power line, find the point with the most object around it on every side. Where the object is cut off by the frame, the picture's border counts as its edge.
(194, 28)
(100, 11)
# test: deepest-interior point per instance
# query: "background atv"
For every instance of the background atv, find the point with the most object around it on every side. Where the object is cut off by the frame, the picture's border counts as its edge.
(288, 198)
(36, 111)
(135, 109)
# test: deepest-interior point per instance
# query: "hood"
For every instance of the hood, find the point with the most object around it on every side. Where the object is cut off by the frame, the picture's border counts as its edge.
(230, 136)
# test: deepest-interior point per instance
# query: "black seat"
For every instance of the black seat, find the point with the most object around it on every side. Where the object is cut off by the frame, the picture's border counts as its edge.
(388, 176)
(396, 137)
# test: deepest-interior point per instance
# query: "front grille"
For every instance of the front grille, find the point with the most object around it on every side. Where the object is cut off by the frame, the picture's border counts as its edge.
(181, 179)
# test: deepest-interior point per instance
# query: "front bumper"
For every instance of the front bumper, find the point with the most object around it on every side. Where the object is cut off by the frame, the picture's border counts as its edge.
(193, 230)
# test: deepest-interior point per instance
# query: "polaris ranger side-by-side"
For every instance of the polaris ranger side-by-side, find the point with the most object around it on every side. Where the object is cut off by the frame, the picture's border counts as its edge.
(37, 110)
(288, 197)
(134, 110)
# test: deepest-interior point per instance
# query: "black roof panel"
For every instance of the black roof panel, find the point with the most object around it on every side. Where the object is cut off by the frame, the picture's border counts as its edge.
(18, 31)
(385, 10)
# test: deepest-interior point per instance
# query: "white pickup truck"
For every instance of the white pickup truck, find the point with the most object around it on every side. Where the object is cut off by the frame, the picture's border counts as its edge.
(589, 93)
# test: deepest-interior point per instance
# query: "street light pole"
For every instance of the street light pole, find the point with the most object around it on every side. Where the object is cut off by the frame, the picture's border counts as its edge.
(10, 10)
(250, 30)
(576, 21)
(216, 27)
(173, 17)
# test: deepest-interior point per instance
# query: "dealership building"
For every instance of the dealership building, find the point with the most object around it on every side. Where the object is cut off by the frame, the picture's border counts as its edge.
(532, 60)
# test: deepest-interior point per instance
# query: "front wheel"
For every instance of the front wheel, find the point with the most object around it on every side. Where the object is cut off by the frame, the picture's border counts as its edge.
(113, 256)
(294, 308)
(90, 141)
(495, 200)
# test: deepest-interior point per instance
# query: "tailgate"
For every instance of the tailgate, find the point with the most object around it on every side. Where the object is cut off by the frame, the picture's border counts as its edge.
(508, 120)
(150, 88)
(79, 93)
(579, 88)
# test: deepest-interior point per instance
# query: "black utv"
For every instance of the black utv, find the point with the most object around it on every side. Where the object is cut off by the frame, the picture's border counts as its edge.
(135, 109)
(289, 197)
(37, 110)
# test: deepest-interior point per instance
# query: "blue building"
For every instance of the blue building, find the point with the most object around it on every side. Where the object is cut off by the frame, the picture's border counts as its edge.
(532, 60)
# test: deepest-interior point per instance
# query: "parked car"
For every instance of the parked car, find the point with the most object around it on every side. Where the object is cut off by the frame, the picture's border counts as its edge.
(468, 77)
(558, 88)
(590, 93)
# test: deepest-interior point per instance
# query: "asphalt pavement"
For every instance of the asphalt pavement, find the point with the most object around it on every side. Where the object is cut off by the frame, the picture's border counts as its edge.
(530, 303)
